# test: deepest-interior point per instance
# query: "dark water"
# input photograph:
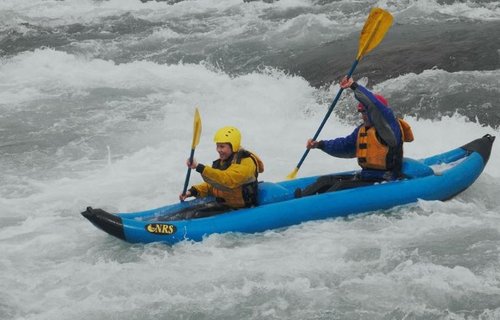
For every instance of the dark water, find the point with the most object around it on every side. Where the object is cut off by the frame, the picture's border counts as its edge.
(417, 42)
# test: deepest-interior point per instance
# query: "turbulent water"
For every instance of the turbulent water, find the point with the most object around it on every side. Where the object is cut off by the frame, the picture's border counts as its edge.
(96, 108)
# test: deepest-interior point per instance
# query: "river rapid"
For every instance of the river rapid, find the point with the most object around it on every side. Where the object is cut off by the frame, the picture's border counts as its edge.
(96, 108)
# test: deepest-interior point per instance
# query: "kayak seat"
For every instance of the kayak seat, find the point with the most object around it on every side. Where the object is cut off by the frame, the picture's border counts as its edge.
(415, 169)
(272, 192)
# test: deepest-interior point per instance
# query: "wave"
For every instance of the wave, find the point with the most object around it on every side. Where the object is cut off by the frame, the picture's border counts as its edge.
(108, 124)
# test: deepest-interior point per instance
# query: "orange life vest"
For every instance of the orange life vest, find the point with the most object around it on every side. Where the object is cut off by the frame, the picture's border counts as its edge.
(373, 153)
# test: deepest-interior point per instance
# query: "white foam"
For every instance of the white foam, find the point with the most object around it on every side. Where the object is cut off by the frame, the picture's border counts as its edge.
(418, 11)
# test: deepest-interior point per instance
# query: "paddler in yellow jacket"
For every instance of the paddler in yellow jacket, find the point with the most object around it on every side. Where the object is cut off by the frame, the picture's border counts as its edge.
(232, 179)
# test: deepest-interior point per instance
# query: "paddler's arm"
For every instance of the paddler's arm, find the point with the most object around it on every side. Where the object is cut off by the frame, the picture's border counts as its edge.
(199, 190)
(344, 147)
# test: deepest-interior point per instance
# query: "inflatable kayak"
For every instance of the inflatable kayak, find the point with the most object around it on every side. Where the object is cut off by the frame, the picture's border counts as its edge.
(439, 177)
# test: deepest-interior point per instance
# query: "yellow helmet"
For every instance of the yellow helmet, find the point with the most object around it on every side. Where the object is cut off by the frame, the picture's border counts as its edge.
(229, 135)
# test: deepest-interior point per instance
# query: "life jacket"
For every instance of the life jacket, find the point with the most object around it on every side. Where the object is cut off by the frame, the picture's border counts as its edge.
(244, 195)
(373, 153)
(406, 130)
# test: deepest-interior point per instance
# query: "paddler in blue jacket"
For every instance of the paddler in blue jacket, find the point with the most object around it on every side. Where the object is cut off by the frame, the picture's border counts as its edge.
(377, 144)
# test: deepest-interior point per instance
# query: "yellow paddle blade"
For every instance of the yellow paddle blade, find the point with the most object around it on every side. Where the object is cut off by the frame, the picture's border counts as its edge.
(376, 26)
(293, 174)
(196, 129)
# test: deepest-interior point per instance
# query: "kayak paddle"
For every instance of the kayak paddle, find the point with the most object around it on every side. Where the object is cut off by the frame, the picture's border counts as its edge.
(376, 26)
(196, 140)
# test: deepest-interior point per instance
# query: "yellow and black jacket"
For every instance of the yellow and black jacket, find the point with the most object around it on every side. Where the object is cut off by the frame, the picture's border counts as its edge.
(232, 182)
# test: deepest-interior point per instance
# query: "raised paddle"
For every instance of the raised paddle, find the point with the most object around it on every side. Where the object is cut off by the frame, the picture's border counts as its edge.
(376, 26)
(196, 140)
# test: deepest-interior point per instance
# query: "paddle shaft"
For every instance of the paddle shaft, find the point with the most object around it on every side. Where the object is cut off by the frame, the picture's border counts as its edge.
(188, 174)
(330, 109)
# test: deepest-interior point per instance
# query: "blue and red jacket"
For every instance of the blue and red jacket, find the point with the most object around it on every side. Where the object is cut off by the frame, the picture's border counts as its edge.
(388, 132)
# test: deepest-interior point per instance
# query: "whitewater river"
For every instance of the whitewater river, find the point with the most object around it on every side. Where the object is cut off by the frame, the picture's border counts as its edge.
(96, 107)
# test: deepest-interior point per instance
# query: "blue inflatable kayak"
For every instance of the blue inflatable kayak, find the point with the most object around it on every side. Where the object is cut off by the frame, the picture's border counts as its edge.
(439, 177)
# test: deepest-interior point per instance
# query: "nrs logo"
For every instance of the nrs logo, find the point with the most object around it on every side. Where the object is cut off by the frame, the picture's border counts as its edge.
(161, 229)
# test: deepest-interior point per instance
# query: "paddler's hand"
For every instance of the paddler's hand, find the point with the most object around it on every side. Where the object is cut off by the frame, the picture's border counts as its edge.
(312, 144)
(346, 82)
(192, 165)
(183, 197)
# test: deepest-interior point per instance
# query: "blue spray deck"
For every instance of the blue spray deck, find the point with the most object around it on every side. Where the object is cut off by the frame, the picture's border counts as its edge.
(278, 208)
